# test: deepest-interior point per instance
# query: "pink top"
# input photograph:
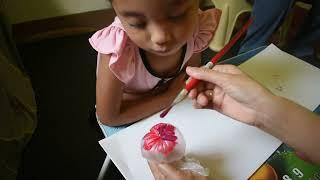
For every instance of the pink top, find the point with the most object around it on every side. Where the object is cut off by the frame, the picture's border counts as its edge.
(125, 61)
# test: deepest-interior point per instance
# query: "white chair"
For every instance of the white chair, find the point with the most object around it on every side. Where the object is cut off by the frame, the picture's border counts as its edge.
(107, 160)
(231, 9)
(107, 131)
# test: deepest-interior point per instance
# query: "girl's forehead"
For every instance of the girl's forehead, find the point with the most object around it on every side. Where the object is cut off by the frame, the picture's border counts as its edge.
(151, 6)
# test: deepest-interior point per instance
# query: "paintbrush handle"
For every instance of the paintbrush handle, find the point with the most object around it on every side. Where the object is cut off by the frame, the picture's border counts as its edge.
(192, 83)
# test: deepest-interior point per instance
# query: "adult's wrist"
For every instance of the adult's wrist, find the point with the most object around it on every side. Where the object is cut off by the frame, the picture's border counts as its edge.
(272, 116)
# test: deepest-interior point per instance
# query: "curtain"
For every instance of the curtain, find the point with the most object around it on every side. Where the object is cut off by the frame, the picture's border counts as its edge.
(18, 110)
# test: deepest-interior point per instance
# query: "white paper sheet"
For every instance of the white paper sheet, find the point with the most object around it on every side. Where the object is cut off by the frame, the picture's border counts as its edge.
(286, 75)
(231, 150)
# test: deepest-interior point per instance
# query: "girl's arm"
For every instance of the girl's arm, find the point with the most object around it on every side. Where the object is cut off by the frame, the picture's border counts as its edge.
(112, 110)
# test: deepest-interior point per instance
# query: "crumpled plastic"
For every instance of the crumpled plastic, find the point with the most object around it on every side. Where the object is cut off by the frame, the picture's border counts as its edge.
(193, 165)
(164, 143)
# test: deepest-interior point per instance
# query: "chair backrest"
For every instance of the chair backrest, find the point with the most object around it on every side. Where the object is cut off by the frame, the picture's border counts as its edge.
(231, 9)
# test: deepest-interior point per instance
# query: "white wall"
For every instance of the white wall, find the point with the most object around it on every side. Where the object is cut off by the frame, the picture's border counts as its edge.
(27, 10)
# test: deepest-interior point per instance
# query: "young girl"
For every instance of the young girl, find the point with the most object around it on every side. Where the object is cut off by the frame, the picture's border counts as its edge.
(141, 56)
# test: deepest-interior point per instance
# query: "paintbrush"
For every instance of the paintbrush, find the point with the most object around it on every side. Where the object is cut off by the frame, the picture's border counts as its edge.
(192, 82)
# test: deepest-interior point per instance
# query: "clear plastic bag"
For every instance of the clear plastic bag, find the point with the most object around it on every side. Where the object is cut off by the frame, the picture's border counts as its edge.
(193, 165)
(164, 143)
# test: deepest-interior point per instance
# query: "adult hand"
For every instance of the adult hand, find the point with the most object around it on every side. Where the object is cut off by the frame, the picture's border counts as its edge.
(233, 93)
(228, 90)
(169, 172)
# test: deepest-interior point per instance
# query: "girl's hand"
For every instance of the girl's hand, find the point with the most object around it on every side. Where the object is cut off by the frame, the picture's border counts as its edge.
(169, 172)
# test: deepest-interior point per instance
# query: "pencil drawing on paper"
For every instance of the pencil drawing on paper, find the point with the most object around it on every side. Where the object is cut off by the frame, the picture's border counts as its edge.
(277, 83)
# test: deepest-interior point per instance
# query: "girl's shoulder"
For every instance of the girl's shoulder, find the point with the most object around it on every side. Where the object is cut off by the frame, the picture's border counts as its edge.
(113, 40)
(208, 23)
(110, 40)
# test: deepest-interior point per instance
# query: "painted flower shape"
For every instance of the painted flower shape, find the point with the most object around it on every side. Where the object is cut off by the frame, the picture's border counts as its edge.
(164, 143)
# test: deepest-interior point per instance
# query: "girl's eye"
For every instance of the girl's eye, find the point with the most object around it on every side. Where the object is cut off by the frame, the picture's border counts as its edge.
(138, 25)
(178, 17)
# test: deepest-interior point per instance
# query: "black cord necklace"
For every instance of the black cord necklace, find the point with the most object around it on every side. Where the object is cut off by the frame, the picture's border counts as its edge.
(151, 70)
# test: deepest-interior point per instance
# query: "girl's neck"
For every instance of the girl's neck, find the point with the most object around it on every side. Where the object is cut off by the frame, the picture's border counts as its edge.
(164, 66)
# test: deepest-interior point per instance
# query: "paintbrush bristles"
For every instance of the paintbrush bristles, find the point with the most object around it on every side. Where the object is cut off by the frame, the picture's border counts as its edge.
(183, 93)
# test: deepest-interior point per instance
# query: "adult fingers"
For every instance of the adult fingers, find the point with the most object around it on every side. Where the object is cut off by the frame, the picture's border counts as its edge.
(193, 93)
(173, 173)
(227, 68)
(218, 96)
(202, 99)
(209, 75)
(169, 170)
(196, 105)
(154, 167)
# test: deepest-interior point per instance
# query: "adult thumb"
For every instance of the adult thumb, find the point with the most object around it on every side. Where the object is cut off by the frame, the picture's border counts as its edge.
(208, 75)
(168, 169)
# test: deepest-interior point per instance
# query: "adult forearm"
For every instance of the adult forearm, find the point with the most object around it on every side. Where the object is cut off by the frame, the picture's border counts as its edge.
(294, 125)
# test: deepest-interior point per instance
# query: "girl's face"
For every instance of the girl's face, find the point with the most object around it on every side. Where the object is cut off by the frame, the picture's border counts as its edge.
(161, 27)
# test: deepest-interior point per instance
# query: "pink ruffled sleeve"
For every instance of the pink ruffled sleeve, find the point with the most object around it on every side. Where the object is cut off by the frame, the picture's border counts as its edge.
(113, 40)
(208, 23)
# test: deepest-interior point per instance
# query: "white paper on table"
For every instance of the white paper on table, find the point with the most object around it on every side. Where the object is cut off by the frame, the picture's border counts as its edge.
(285, 75)
(230, 149)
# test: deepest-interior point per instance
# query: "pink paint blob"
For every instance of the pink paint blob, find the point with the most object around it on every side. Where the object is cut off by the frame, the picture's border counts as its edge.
(163, 143)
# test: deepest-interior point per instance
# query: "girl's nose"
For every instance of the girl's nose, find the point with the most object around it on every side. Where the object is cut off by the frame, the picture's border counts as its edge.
(160, 35)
